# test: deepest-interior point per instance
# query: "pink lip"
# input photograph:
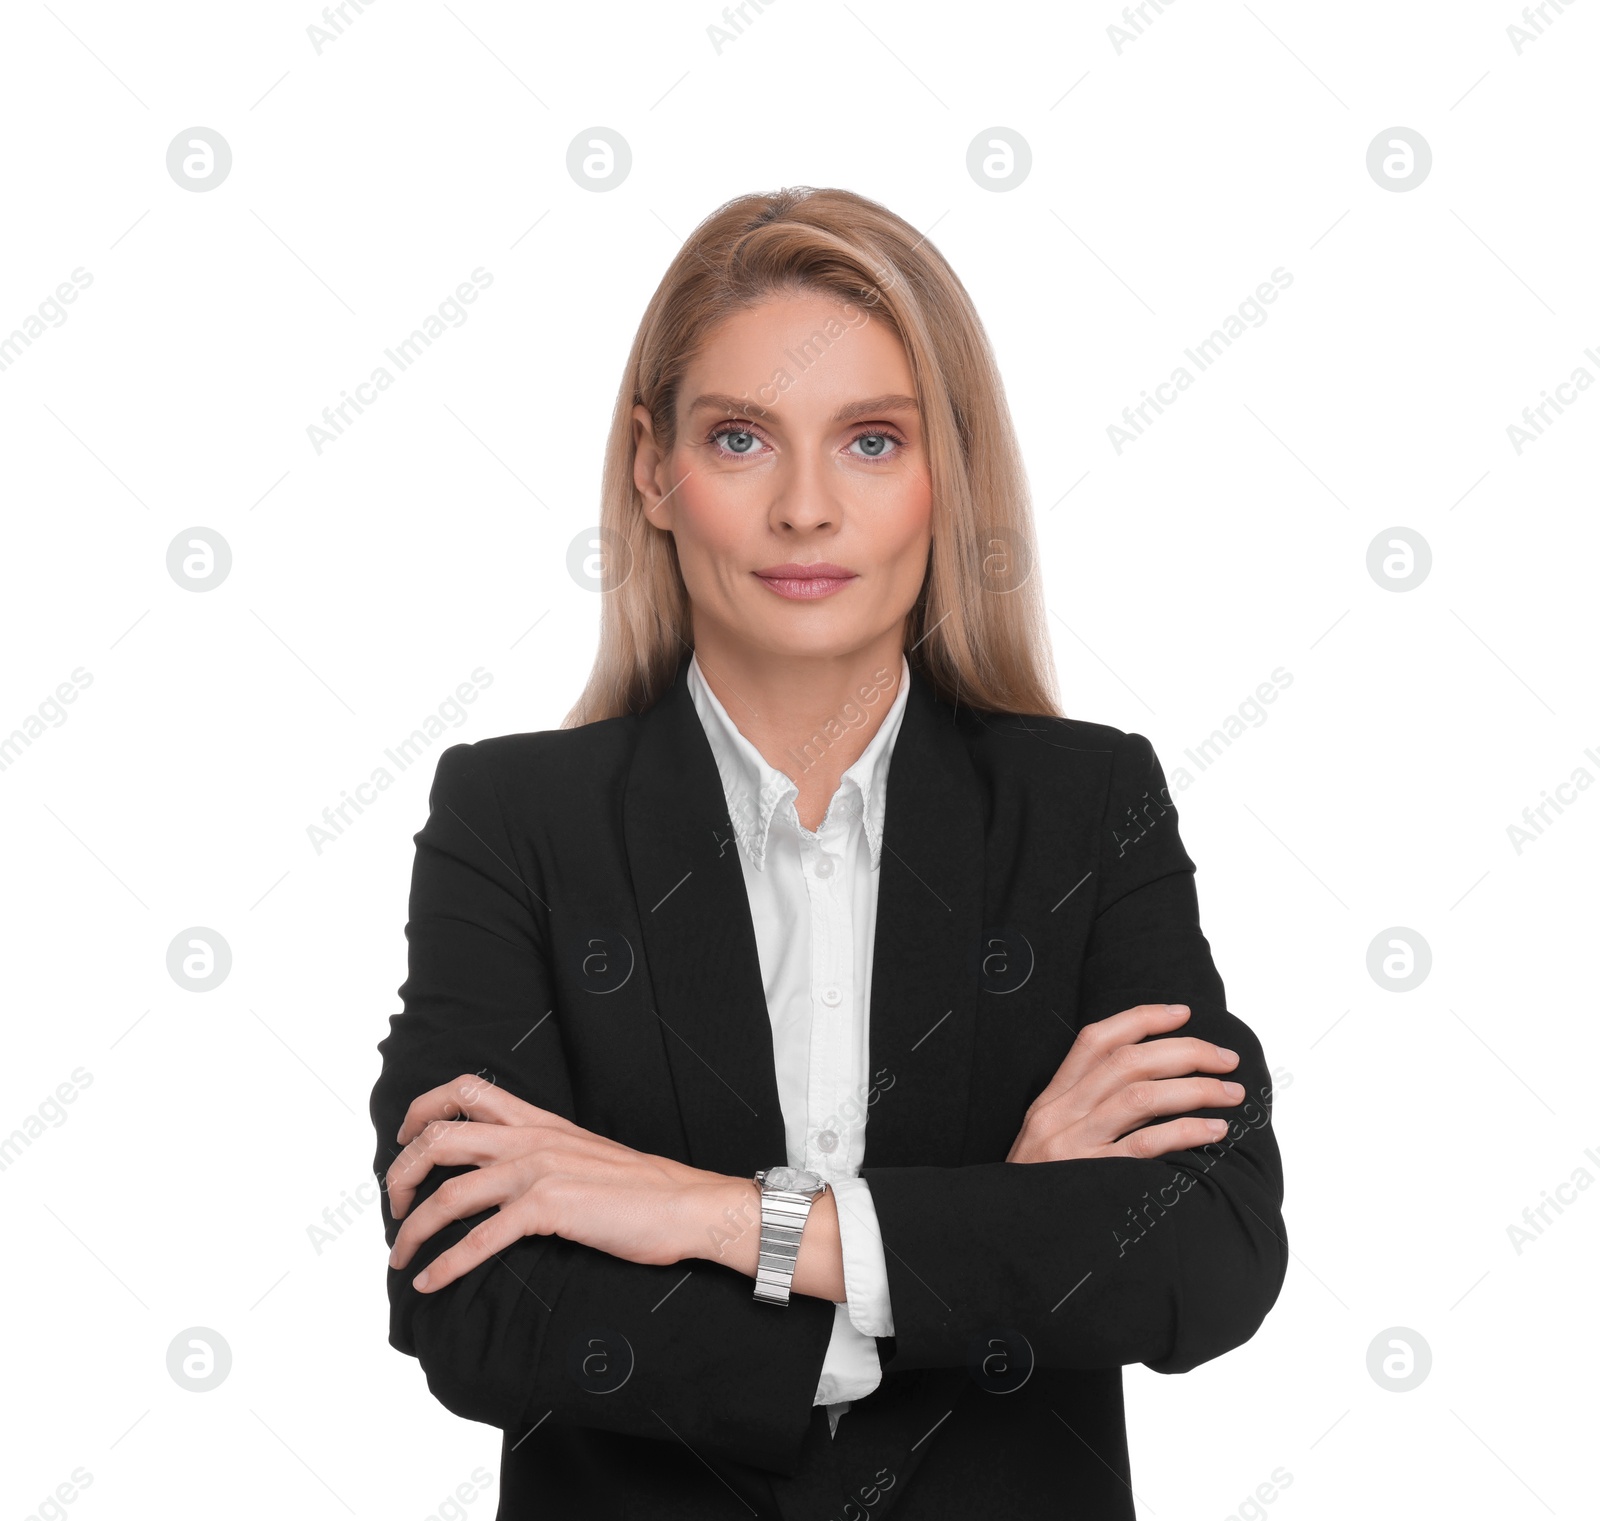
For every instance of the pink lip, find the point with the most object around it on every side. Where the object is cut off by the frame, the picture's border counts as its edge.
(806, 582)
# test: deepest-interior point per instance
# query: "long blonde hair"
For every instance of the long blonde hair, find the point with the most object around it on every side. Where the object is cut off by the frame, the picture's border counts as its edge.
(977, 631)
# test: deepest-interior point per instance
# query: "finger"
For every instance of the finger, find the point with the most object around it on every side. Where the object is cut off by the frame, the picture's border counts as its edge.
(479, 1244)
(1141, 1101)
(445, 1143)
(473, 1098)
(1095, 1042)
(464, 1097)
(1188, 1134)
(1178, 1056)
(1130, 1026)
(455, 1199)
(1170, 1056)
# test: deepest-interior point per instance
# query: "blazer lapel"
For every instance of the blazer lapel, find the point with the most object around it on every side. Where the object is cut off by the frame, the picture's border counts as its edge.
(705, 969)
(926, 948)
(700, 942)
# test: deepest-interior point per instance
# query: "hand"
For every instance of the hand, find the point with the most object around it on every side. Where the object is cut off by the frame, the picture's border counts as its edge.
(1110, 1084)
(547, 1176)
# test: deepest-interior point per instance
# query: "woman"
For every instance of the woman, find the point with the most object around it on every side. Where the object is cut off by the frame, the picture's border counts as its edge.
(813, 1083)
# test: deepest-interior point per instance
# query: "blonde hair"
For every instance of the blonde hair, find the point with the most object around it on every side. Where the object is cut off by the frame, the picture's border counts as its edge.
(977, 631)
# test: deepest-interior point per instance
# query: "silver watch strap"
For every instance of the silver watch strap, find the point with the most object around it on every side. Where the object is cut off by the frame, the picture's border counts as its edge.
(783, 1219)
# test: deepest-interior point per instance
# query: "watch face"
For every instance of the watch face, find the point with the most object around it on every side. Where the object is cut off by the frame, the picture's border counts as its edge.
(793, 1179)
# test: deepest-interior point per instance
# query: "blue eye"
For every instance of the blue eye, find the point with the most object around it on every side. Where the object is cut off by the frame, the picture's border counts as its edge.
(739, 442)
(875, 443)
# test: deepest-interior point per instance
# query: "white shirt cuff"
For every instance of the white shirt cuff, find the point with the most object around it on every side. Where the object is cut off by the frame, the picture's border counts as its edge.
(850, 1368)
(866, 1273)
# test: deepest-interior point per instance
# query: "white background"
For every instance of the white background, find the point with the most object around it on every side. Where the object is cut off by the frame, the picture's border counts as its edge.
(1168, 179)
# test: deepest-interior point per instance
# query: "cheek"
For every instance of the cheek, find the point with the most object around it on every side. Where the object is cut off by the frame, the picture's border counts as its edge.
(903, 516)
(710, 524)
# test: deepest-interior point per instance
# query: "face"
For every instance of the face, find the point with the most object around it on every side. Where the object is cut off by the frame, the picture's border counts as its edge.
(797, 488)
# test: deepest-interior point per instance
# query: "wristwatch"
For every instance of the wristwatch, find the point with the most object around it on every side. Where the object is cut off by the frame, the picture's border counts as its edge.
(787, 1194)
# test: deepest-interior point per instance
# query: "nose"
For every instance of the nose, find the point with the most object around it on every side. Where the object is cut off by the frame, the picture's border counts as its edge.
(803, 497)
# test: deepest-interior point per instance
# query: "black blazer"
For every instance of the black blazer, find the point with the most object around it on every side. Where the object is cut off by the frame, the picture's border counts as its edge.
(579, 932)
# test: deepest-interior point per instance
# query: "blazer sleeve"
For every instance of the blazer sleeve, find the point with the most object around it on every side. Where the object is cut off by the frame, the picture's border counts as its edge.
(1104, 1261)
(550, 1328)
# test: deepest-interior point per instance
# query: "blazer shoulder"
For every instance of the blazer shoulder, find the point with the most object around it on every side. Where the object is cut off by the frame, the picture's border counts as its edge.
(1044, 733)
(587, 756)
(1099, 767)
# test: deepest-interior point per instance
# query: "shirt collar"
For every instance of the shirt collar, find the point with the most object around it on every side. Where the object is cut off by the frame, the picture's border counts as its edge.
(757, 792)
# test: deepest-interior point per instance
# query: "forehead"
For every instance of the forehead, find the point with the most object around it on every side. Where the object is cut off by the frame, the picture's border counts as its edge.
(807, 355)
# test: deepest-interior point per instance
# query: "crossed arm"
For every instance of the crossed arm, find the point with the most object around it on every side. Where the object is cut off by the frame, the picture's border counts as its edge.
(518, 1235)
(542, 1175)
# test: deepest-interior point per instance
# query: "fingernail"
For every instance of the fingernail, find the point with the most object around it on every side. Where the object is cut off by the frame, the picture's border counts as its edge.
(1175, 1006)
(421, 1280)
(1217, 1127)
(1224, 1052)
(1233, 1090)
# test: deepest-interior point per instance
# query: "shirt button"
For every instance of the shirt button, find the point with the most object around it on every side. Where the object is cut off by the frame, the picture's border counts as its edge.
(827, 1141)
(831, 997)
(825, 867)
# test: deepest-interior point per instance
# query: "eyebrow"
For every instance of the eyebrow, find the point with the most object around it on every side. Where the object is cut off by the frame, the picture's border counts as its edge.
(872, 406)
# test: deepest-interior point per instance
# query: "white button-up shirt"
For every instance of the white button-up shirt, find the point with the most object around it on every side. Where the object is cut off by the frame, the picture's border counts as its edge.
(813, 900)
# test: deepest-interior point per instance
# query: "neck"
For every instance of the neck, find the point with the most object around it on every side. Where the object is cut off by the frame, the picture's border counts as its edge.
(810, 716)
